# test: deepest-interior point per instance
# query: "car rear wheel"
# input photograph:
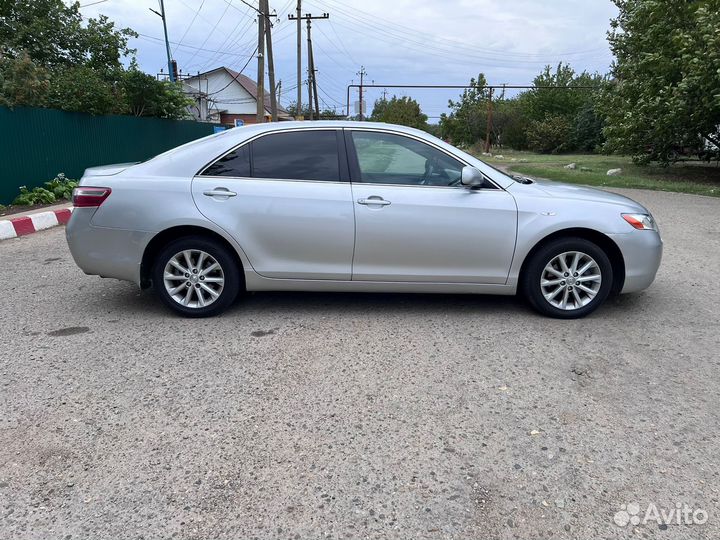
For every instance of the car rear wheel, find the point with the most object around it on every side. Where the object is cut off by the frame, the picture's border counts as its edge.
(196, 276)
(568, 278)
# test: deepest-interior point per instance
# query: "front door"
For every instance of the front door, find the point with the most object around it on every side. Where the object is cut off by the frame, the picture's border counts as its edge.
(416, 223)
(285, 198)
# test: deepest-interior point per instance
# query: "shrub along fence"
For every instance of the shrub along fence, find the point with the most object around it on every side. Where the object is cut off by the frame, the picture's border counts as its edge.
(37, 144)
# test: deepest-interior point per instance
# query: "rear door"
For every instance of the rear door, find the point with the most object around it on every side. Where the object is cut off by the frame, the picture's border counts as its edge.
(416, 223)
(286, 199)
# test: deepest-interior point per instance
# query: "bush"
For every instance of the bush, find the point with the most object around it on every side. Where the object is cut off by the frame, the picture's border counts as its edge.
(549, 136)
(36, 196)
(58, 188)
(61, 187)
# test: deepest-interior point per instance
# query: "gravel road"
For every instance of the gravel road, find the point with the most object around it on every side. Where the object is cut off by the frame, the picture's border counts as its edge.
(359, 416)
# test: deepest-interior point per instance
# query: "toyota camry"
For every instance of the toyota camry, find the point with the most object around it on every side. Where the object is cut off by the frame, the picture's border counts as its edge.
(353, 206)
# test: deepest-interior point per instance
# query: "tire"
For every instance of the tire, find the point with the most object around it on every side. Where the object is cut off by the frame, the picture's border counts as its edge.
(549, 281)
(213, 285)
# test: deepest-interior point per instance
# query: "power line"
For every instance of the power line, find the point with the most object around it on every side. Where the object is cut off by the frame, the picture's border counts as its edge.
(189, 25)
(210, 33)
(183, 46)
(237, 75)
(399, 29)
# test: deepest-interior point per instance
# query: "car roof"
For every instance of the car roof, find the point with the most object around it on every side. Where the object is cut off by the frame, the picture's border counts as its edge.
(315, 124)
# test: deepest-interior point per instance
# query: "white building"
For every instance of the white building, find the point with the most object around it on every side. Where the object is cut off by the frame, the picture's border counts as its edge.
(223, 95)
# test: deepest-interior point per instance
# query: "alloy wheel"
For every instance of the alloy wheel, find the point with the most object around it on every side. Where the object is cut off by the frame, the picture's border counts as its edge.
(571, 280)
(193, 278)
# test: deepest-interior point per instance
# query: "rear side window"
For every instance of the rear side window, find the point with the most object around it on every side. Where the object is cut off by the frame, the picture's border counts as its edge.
(298, 155)
(236, 163)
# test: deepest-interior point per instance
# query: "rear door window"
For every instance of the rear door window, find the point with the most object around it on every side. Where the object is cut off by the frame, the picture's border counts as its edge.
(297, 155)
(236, 163)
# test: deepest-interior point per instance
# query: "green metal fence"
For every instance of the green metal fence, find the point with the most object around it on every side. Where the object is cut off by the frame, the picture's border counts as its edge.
(36, 144)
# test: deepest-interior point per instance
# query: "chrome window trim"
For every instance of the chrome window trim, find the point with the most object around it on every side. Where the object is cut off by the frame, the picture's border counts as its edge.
(258, 136)
(272, 179)
(343, 129)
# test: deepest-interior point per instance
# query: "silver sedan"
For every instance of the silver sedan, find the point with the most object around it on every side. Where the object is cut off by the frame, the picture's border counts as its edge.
(353, 206)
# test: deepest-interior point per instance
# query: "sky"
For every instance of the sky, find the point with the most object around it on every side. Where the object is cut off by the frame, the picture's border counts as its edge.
(396, 41)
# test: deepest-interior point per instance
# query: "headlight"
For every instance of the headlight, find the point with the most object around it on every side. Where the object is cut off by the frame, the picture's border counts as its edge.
(643, 222)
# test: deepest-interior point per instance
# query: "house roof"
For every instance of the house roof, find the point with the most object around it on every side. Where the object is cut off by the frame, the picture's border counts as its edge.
(248, 84)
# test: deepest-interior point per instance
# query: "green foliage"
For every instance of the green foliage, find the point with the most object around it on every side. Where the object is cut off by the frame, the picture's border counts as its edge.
(325, 114)
(399, 110)
(48, 58)
(588, 128)
(52, 33)
(22, 82)
(61, 187)
(38, 195)
(560, 109)
(550, 135)
(510, 123)
(667, 74)
(147, 96)
(83, 89)
(467, 122)
(56, 189)
(554, 117)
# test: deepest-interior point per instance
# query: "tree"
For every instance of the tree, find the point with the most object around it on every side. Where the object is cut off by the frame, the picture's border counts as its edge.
(399, 110)
(550, 135)
(48, 58)
(83, 89)
(562, 112)
(666, 77)
(22, 82)
(52, 34)
(147, 96)
(467, 121)
(307, 112)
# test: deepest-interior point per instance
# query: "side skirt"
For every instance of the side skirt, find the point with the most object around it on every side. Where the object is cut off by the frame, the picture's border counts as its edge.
(254, 282)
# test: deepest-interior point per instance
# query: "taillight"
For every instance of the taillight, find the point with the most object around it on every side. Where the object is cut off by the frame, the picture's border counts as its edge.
(85, 196)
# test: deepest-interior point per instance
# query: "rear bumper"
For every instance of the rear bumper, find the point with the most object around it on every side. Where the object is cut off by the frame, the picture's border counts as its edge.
(642, 252)
(105, 252)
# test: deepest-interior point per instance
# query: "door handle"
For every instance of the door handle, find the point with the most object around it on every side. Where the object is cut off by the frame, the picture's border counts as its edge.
(219, 192)
(374, 200)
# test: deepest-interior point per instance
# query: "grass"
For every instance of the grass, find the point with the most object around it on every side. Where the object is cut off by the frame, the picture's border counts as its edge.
(699, 178)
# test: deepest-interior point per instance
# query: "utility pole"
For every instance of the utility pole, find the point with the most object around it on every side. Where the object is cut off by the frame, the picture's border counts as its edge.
(309, 72)
(313, 71)
(488, 127)
(311, 67)
(260, 96)
(312, 81)
(299, 115)
(362, 74)
(265, 8)
(161, 14)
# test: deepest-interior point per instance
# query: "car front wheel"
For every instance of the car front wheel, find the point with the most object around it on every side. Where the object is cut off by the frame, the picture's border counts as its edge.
(568, 278)
(196, 276)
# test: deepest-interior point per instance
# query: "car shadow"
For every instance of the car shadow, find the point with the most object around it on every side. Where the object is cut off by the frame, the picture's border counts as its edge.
(340, 302)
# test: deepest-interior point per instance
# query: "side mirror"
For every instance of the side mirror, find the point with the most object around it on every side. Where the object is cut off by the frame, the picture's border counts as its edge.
(471, 177)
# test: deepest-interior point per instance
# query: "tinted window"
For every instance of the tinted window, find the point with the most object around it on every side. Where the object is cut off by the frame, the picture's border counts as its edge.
(299, 155)
(236, 163)
(385, 158)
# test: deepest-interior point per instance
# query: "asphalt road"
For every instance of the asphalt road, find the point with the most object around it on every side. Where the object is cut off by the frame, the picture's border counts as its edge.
(348, 416)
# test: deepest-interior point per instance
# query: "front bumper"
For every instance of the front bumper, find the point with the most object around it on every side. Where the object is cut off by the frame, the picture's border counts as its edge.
(642, 252)
(113, 253)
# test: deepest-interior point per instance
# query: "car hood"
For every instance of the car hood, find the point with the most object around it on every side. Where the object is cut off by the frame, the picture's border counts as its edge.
(575, 192)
